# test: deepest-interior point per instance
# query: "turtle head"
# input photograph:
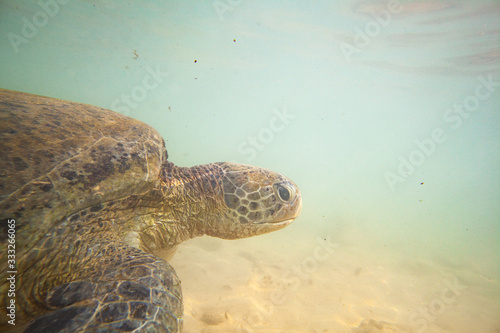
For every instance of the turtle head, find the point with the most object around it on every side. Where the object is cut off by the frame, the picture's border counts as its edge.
(257, 201)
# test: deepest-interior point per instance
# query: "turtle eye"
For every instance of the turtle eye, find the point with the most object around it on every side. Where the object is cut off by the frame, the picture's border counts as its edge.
(284, 193)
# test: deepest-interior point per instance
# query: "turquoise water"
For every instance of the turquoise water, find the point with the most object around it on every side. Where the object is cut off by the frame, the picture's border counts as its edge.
(385, 114)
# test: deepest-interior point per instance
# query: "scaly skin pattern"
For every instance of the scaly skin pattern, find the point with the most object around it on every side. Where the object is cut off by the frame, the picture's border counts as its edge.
(94, 198)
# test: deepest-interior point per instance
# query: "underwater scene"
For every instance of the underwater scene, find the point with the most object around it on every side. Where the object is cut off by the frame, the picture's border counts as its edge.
(384, 113)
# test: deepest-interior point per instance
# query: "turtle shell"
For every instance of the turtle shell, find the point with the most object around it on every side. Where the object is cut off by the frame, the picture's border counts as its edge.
(59, 157)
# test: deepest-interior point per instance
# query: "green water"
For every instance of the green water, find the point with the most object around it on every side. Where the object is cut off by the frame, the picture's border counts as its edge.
(385, 114)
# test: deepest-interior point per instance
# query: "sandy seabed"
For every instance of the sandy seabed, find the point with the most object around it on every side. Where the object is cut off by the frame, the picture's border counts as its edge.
(271, 284)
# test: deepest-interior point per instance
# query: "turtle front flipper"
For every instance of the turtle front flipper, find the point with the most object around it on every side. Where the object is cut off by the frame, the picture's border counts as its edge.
(135, 292)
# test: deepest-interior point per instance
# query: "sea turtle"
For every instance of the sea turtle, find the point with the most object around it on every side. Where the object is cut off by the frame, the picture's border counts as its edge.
(90, 196)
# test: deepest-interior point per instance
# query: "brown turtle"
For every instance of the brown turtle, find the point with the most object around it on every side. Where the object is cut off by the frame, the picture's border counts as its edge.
(91, 197)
